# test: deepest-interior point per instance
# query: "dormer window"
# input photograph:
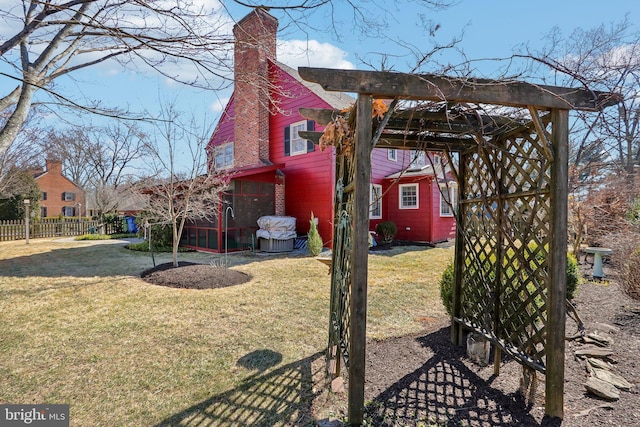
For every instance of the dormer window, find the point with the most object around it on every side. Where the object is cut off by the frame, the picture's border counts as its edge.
(223, 156)
(294, 144)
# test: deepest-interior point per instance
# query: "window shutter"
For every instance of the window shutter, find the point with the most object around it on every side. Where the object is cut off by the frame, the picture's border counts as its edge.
(64, 195)
(310, 128)
(287, 140)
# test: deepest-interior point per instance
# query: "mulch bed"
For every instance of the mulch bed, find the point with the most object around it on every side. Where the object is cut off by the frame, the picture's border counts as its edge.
(425, 380)
(190, 275)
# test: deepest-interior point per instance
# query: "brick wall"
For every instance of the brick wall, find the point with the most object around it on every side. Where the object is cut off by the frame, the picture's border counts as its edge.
(280, 204)
(54, 183)
(255, 45)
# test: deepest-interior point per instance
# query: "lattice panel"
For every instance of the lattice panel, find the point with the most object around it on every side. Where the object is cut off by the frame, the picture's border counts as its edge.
(505, 217)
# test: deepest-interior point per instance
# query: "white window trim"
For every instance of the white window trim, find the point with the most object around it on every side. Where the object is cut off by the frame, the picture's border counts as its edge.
(373, 202)
(220, 148)
(417, 187)
(293, 141)
(453, 196)
(418, 158)
(392, 154)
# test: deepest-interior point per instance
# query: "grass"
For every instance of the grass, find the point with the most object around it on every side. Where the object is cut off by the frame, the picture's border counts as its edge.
(78, 326)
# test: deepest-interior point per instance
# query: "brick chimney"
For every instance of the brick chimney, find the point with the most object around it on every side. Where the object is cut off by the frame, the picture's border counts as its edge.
(255, 46)
(54, 166)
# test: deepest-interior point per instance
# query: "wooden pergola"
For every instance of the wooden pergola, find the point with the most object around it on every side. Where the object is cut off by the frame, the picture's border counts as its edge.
(511, 241)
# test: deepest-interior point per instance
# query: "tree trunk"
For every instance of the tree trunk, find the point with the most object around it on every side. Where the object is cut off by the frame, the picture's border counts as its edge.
(176, 242)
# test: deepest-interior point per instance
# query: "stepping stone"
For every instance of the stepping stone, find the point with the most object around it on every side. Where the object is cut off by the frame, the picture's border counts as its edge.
(600, 340)
(597, 363)
(600, 353)
(613, 379)
(602, 389)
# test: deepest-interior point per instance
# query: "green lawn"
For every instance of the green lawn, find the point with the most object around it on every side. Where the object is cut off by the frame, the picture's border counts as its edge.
(78, 326)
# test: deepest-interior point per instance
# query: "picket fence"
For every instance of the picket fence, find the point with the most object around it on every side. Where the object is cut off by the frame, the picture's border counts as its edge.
(54, 227)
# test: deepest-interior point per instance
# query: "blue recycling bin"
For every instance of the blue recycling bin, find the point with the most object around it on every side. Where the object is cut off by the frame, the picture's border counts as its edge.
(131, 225)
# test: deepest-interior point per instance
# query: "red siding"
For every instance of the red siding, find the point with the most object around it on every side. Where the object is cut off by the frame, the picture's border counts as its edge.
(308, 177)
(425, 224)
(444, 227)
(224, 130)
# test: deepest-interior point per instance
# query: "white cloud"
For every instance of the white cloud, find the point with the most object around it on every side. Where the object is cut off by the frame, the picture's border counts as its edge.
(218, 105)
(311, 53)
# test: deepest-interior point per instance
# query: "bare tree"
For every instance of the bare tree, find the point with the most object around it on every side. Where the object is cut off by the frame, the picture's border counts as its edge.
(605, 58)
(55, 38)
(48, 39)
(180, 189)
(71, 146)
(102, 160)
(18, 159)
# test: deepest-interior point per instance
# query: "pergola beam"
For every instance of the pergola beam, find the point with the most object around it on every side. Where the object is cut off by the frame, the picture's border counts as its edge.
(409, 142)
(453, 89)
(430, 121)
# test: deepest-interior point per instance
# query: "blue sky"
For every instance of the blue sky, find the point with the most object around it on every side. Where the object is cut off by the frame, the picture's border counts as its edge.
(489, 29)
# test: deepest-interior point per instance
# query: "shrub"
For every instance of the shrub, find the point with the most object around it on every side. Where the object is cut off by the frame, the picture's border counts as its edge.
(93, 237)
(446, 288)
(631, 281)
(573, 276)
(388, 231)
(573, 279)
(314, 241)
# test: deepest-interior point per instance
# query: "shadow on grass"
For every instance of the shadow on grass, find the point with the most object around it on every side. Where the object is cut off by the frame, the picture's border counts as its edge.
(90, 260)
(444, 391)
(280, 397)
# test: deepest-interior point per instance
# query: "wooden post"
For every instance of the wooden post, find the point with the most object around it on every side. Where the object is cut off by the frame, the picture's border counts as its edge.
(360, 258)
(461, 223)
(554, 392)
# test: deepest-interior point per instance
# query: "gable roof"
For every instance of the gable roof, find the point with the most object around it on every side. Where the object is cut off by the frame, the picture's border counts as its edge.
(337, 100)
(421, 171)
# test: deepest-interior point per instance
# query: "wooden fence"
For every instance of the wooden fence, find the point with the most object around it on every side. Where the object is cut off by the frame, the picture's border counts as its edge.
(55, 227)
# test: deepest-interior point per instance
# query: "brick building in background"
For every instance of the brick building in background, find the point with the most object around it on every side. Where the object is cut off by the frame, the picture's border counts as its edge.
(59, 195)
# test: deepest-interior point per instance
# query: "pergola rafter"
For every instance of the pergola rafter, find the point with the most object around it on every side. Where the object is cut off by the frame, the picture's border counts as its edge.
(511, 241)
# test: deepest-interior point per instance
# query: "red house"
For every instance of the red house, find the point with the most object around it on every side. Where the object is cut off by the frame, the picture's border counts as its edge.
(274, 172)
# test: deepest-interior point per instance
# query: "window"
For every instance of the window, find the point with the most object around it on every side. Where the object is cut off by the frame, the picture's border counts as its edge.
(294, 144)
(408, 196)
(223, 156)
(375, 201)
(298, 145)
(43, 212)
(418, 158)
(68, 197)
(43, 196)
(392, 154)
(68, 211)
(436, 159)
(448, 200)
